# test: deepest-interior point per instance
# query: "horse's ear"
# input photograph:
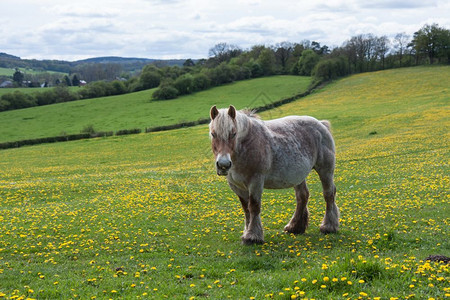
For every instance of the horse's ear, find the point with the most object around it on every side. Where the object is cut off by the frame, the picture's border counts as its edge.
(232, 112)
(214, 112)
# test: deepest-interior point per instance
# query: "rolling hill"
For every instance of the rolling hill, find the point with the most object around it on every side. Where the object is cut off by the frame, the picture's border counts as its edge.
(137, 110)
(145, 216)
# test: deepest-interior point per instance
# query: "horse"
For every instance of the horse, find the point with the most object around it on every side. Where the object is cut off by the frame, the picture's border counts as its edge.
(254, 154)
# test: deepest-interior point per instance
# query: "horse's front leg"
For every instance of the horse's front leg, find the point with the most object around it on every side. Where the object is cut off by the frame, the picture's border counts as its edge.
(244, 198)
(254, 233)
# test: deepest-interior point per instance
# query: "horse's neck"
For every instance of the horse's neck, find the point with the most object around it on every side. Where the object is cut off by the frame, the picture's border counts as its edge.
(251, 128)
(245, 124)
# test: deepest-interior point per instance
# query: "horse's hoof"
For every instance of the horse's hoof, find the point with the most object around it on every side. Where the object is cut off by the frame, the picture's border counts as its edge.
(328, 229)
(294, 230)
(251, 241)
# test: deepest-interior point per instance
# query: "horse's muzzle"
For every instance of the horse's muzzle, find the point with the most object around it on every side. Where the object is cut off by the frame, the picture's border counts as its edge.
(223, 165)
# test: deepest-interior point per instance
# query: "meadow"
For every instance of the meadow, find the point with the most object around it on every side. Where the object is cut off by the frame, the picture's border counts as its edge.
(145, 216)
(10, 71)
(137, 110)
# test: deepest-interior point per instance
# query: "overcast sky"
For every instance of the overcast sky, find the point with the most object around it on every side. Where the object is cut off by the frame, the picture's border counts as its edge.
(72, 30)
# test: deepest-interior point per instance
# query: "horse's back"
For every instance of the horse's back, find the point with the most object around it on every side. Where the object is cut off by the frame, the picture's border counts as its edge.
(301, 126)
(299, 143)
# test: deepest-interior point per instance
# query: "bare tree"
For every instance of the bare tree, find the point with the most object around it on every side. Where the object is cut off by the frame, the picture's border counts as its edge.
(382, 48)
(283, 52)
(223, 52)
(401, 42)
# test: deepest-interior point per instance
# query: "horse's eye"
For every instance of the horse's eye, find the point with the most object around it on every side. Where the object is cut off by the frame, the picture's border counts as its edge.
(214, 135)
(233, 135)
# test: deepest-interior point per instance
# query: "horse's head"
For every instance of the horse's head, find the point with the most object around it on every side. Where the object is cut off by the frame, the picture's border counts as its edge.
(222, 131)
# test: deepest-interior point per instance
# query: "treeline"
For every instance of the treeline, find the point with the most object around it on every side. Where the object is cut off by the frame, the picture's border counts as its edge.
(228, 63)
(361, 53)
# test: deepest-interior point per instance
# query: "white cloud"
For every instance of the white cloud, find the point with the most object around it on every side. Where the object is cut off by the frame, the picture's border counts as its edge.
(181, 29)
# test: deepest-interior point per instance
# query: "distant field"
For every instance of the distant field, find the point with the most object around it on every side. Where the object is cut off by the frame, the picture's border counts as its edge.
(136, 110)
(146, 217)
(10, 71)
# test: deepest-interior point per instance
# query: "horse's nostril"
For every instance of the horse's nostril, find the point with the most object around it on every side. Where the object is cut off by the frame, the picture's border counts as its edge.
(223, 165)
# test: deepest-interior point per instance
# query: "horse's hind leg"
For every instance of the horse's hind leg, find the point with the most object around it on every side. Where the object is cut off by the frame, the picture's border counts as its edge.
(330, 221)
(299, 221)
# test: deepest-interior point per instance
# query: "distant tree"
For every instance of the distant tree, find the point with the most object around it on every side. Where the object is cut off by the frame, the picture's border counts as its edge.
(382, 48)
(223, 52)
(188, 63)
(433, 42)
(283, 52)
(330, 68)
(19, 100)
(75, 80)
(307, 62)
(201, 82)
(18, 77)
(165, 92)
(63, 94)
(362, 51)
(184, 84)
(66, 81)
(266, 60)
(118, 87)
(149, 79)
(401, 41)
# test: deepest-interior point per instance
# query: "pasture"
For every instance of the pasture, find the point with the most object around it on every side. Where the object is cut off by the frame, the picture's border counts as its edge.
(10, 71)
(146, 216)
(137, 110)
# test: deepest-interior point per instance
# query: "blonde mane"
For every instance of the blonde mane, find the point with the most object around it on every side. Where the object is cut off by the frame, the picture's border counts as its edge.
(224, 125)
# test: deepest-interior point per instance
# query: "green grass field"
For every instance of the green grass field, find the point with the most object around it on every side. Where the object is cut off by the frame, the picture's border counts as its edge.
(145, 216)
(10, 71)
(136, 110)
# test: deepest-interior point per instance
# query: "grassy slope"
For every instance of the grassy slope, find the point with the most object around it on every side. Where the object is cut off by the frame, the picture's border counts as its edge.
(10, 71)
(137, 111)
(145, 215)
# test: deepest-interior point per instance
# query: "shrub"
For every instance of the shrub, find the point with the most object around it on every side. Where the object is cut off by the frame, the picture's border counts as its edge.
(200, 82)
(255, 69)
(134, 85)
(46, 97)
(221, 74)
(149, 80)
(184, 84)
(330, 69)
(18, 100)
(4, 105)
(241, 72)
(128, 131)
(89, 129)
(118, 87)
(97, 89)
(307, 62)
(165, 92)
(63, 94)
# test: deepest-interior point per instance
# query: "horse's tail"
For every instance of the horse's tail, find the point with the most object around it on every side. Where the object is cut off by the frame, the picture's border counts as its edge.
(327, 124)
